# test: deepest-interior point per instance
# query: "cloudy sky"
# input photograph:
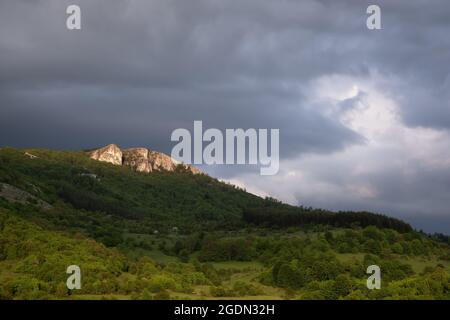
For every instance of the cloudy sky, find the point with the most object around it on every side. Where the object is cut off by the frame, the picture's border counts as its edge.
(364, 116)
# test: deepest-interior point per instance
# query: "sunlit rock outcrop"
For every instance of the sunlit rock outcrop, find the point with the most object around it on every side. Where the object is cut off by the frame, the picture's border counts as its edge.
(137, 159)
(111, 154)
(160, 161)
(140, 159)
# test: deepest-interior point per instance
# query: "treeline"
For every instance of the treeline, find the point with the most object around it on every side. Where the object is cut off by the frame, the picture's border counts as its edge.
(288, 216)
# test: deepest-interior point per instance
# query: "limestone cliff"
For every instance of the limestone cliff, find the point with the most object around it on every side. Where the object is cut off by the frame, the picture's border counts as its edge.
(139, 159)
(160, 161)
(111, 153)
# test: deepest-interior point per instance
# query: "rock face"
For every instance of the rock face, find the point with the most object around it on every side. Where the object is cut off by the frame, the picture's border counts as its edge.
(140, 159)
(137, 159)
(16, 195)
(190, 168)
(111, 153)
(160, 161)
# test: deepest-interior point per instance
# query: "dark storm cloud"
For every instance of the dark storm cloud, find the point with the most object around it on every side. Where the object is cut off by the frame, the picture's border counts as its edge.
(139, 69)
(135, 65)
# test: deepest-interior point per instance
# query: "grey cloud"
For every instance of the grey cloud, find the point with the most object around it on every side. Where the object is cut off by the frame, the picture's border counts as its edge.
(139, 69)
(420, 198)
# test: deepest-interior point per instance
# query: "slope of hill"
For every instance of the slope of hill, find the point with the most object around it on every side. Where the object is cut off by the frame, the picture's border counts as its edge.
(183, 235)
(75, 185)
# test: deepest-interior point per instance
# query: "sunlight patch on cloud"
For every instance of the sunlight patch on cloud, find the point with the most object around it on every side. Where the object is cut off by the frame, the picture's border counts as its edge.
(355, 177)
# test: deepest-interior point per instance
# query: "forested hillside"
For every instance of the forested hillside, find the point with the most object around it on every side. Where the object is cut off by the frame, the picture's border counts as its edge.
(178, 235)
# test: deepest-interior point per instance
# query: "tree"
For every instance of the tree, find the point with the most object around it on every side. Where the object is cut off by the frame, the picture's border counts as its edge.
(342, 285)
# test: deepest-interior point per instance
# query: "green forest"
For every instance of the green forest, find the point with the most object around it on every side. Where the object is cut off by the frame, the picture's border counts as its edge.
(176, 235)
